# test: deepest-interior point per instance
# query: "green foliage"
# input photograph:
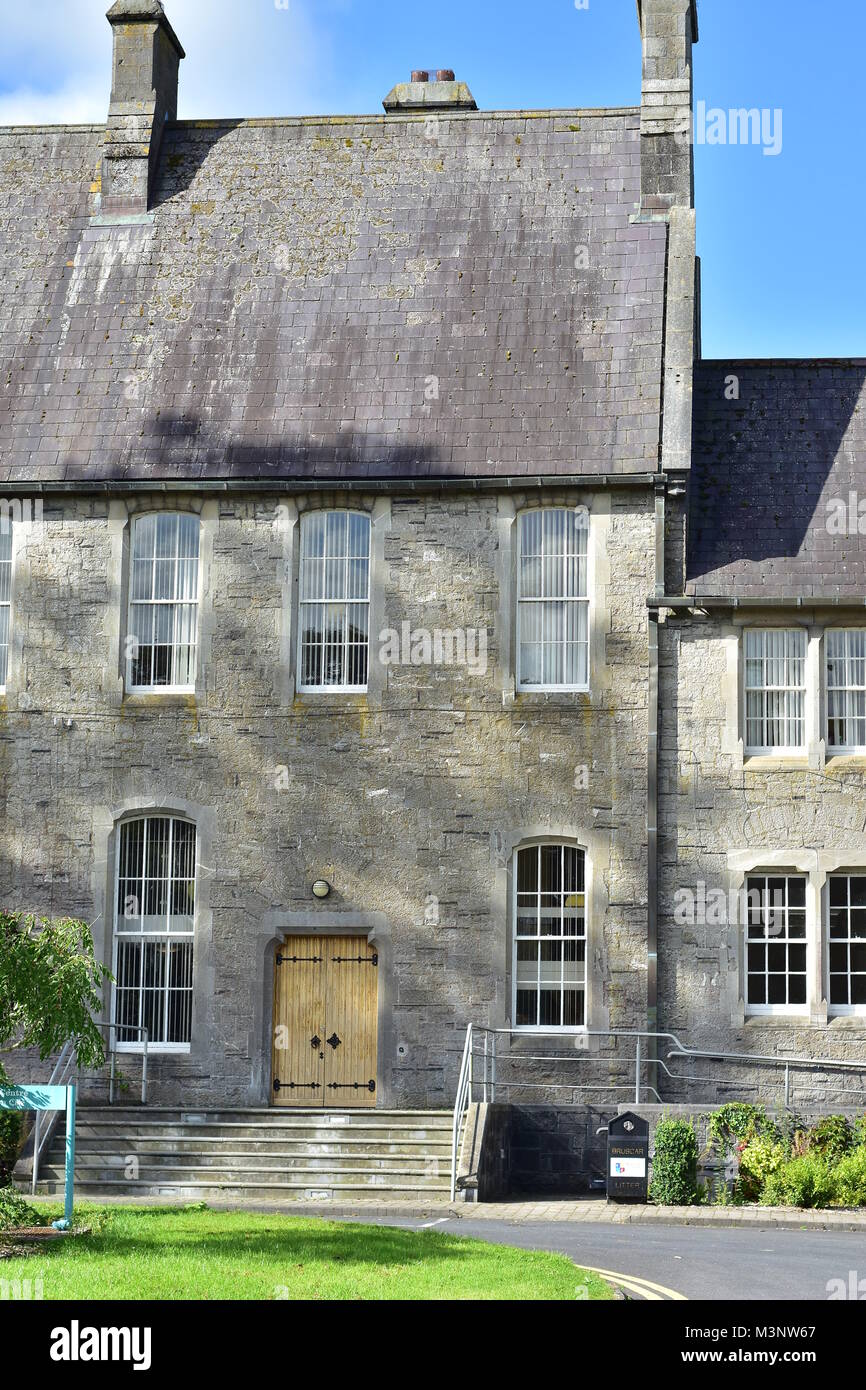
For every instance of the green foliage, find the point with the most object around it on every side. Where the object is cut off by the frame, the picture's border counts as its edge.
(50, 987)
(832, 1138)
(849, 1179)
(736, 1124)
(801, 1182)
(859, 1133)
(11, 1132)
(675, 1164)
(760, 1158)
(15, 1213)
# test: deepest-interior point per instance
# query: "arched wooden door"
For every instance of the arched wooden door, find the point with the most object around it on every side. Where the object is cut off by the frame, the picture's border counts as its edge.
(325, 1022)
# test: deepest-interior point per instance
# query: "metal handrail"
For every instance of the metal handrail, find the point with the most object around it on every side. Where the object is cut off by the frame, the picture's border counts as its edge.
(464, 1091)
(140, 1032)
(490, 1083)
(63, 1068)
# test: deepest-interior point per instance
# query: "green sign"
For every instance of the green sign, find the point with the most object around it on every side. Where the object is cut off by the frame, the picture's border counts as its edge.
(49, 1098)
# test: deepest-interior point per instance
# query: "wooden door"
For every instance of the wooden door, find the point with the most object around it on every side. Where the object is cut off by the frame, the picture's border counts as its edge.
(351, 1009)
(325, 1022)
(299, 1040)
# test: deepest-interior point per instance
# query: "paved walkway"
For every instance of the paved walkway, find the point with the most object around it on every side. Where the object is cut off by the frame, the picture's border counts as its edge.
(592, 1211)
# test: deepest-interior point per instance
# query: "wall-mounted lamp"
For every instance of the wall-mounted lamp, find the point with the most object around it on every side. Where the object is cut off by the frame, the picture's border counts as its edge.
(321, 888)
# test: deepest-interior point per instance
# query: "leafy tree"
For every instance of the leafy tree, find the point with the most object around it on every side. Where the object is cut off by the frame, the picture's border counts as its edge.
(50, 988)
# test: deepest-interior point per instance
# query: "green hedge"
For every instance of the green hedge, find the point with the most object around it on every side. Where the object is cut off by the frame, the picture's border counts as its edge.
(675, 1164)
(782, 1162)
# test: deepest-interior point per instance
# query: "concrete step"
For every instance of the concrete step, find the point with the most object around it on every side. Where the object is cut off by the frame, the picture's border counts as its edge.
(275, 1149)
(317, 1188)
(303, 1174)
(273, 1115)
(115, 1164)
(283, 1134)
(256, 1153)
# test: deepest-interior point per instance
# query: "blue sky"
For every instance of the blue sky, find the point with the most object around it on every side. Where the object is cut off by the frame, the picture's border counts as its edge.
(780, 237)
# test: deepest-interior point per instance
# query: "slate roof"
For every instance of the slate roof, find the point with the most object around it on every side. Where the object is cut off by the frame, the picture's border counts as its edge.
(306, 287)
(766, 468)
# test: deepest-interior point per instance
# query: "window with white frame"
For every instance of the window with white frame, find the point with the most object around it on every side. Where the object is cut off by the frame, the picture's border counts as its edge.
(154, 931)
(846, 689)
(549, 958)
(5, 594)
(776, 943)
(553, 600)
(847, 943)
(163, 602)
(775, 688)
(334, 616)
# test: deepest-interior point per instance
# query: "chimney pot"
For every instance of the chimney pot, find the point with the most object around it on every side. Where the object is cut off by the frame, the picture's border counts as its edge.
(430, 90)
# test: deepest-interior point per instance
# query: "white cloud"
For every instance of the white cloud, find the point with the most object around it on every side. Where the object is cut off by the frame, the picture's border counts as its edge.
(244, 58)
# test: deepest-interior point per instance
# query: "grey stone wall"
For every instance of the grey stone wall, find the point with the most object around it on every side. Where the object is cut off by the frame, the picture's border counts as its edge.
(721, 816)
(422, 787)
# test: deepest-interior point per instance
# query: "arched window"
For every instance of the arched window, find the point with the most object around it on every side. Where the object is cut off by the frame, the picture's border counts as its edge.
(553, 600)
(163, 602)
(334, 617)
(549, 961)
(153, 931)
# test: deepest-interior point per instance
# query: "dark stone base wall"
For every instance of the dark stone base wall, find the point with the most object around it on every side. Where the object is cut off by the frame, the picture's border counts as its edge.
(557, 1150)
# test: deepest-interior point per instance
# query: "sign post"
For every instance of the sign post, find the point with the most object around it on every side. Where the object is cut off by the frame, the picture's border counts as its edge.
(49, 1098)
(628, 1159)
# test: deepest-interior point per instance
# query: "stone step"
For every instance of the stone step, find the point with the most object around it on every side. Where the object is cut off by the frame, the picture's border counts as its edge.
(114, 1164)
(271, 1115)
(315, 1189)
(268, 1148)
(253, 1142)
(240, 1175)
(257, 1153)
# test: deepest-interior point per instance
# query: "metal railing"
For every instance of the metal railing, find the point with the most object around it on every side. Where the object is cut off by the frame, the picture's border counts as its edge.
(478, 1078)
(63, 1069)
(141, 1033)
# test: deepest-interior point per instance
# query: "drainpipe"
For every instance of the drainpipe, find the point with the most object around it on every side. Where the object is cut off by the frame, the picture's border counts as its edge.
(653, 791)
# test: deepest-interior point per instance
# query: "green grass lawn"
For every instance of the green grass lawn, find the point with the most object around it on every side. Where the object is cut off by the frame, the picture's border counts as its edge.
(189, 1253)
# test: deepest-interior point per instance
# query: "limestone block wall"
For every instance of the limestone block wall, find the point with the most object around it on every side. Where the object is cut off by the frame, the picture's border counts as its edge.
(409, 800)
(723, 815)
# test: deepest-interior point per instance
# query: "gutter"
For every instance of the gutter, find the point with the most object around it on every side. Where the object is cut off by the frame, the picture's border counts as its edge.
(511, 482)
(697, 604)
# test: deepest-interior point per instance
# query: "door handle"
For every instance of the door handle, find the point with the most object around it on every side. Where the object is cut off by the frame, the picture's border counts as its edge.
(334, 1041)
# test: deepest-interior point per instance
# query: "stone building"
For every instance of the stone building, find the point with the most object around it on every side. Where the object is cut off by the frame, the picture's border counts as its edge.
(381, 595)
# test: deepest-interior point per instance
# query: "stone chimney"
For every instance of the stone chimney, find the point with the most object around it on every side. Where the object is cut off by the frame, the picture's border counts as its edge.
(147, 56)
(430, 91)
(668, 29)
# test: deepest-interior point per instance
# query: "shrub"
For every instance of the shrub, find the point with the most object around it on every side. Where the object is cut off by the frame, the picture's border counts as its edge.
(849, 1179)
(760, 1158)
(737, 1124)
(11, 1131)
(801, 1182)
(675, 1164)
(858, 1133)
(15, 1211)
(832, 1138)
